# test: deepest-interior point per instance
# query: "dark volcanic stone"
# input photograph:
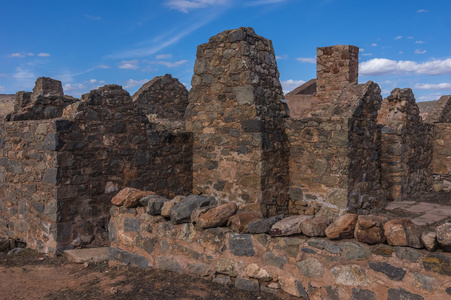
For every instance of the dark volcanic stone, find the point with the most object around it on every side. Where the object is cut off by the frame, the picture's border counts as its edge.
(264, 225)
(277, 261)
(181, 212)
(131, 224)
(359, 294)
(394, 273)
(128, 258)
(438, 263)
(241, 245)
(401, 294)
(247, 284)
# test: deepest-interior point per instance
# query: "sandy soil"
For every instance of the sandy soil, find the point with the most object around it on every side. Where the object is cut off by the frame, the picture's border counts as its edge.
(30, 275)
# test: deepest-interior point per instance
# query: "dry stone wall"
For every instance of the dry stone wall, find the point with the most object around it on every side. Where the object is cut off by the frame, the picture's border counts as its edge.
(240, 152)
(406, 146)
(441, 157)
(58, 176)
(163, 96)
(29, 208)
(440, 112)
(272, 255)
(334, 161)
(47, 101)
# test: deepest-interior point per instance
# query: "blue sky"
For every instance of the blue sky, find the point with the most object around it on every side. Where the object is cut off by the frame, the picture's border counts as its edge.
(87, 44)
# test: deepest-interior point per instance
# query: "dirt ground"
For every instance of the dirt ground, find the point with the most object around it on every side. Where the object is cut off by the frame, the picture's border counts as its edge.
(30, 275)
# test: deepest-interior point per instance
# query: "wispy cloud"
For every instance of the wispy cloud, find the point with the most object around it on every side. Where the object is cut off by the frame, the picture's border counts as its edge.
(382, 66)
(158, 45)
(310, 60)
(132, 83)
(430, 97)
(103, 67)
(92, 17)
(43, 54)
(418, 51)
(422, 11)
(281, 56)
(187, 5)
(373, 45)
(164, 56)
(129, 64)
(398, 37)
(436, 87)
(419, 42)
(263, 2)
(21, 54)
(3, 75)
(367, 54)
(290, 84)
(70, 88)
(170, 64)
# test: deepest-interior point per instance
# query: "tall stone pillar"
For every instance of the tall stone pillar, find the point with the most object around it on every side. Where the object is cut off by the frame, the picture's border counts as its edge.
(236, 116)
(337, 67)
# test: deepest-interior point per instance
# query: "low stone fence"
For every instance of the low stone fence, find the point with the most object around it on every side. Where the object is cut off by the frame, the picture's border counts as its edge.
(188, 235)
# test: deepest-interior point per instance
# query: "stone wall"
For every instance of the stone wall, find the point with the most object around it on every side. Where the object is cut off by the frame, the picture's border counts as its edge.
(334, 161)
(441, 157)
(337, 67)
(303, 266)
(164, 97)
(58, 176)
(29, 183)
(240, 152)
(406, 146)
(47, 101)
(440, 112)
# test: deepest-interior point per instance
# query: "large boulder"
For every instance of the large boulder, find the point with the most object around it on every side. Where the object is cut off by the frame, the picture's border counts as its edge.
(217, 216)
(181, 212)
(342, 227)
(402, 232)
(288, 226)
(129, 197)
(370, 229)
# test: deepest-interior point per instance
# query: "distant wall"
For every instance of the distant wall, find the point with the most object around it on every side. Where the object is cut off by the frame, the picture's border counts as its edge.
(441, 159)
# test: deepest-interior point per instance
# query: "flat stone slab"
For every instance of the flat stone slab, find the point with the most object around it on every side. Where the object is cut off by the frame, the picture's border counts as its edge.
(90, 255)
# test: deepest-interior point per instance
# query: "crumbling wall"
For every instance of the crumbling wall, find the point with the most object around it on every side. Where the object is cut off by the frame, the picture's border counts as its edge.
(300, 99)
(29, 183)
(236, 116)
(406, 146)
(441, 157)
(164, 97)
(47, 101)
(440, 112)
(58, 176)
(334, 164)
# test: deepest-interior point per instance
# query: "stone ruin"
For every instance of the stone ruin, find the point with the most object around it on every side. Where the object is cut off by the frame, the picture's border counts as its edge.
(337, 149)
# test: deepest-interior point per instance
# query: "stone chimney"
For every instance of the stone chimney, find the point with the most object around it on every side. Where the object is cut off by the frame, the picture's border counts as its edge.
(337, 67)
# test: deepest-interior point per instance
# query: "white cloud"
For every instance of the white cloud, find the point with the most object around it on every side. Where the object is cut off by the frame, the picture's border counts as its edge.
(418, 51)
(73, 87)
(361, 50)
(170, 64)
(410, 37)
(310, 60)
(401, 52)
(436, 87)
(281, 56)
(290, 84)
(398, 37)
(132, 83)
(23, 74)
(92, 81)
(187, 5)
(373, 45)
(382, 66)
(164, 56)
(367, 54)
(422, 11)
(419, 42)
(43, 54)
(2, 89)
(129, 64)
(21, 54)
(103, 67)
